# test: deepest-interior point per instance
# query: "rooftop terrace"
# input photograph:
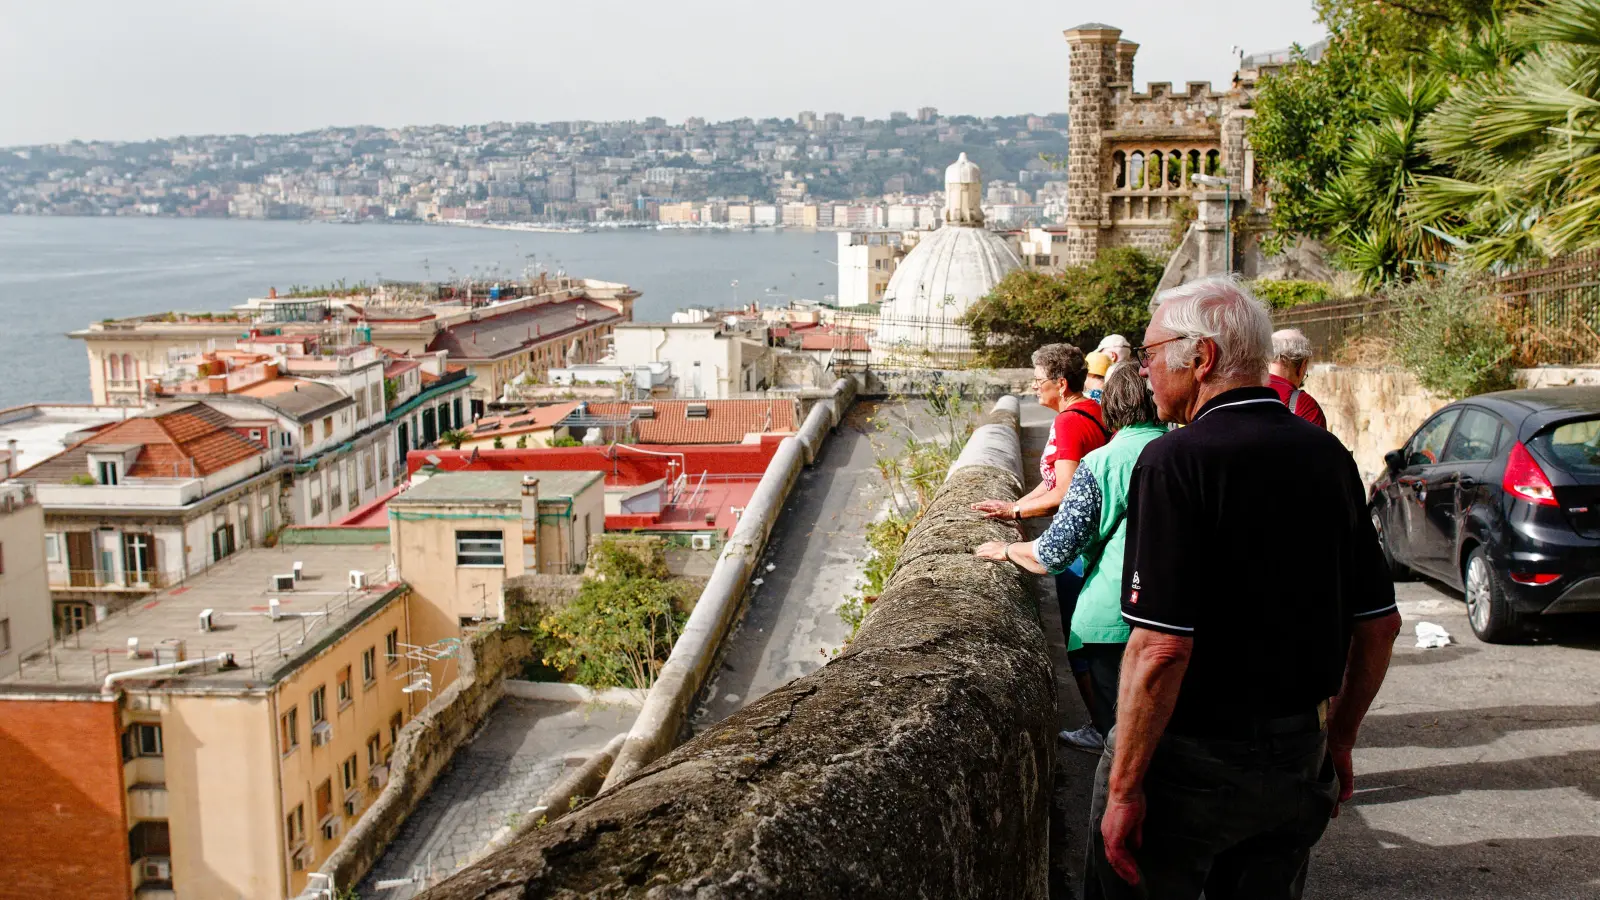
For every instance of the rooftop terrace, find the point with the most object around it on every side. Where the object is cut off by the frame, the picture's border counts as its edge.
(41, 430)
(237, 591)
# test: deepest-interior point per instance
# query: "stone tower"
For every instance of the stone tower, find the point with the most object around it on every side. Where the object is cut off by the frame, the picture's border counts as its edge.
(1096, 61)
(963, 193)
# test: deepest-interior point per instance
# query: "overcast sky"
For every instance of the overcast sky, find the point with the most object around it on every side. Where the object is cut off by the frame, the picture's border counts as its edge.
(130, 69)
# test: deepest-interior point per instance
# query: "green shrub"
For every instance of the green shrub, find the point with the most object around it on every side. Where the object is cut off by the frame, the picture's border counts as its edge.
(566, 440)
(1447, 334)
(619, 630)
(1289, 294)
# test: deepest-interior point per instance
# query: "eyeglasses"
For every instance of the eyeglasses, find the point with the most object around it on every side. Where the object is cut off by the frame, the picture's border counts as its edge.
(1142, 354)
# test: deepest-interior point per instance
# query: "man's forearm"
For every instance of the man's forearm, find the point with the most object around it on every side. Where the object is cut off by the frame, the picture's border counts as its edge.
(1370, 649)
(1152, 673)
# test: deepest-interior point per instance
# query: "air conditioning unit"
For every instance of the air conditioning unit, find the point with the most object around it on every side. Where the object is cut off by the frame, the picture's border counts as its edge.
(300, 859)
(207, 619)
(700, 542)
(642, 412)
(352, 803)
(156, 868)
(378, 777)
(358, 580)
(330, 829)
(299, 570)
(283, 582)
(321, 733)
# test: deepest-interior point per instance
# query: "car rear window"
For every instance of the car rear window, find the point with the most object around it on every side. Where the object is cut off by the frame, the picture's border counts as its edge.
(1574, 446)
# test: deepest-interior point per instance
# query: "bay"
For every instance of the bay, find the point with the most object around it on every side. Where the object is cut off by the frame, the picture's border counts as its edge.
(60, 274)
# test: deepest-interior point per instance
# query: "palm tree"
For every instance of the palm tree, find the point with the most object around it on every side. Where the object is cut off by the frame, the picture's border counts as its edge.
(1523, 141)
(1360, 208)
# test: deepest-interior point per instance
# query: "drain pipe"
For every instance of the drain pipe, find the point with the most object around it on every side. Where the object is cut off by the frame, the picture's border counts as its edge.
(223, 660)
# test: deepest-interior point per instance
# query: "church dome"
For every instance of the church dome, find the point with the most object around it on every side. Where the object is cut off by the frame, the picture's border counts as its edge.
(945, 273)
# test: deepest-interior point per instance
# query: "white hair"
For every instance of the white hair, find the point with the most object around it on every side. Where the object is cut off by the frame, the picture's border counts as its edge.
(1291, 346)
(1222, 309)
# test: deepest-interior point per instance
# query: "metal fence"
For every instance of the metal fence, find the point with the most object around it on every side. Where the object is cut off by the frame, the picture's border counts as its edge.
(1552, 311)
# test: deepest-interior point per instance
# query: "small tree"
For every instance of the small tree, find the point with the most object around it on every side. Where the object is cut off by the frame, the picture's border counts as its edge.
(522, 442)
(454, 438)
(619, 630)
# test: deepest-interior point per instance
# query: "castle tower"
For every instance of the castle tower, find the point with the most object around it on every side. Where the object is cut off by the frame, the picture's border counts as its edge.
(1097, 60)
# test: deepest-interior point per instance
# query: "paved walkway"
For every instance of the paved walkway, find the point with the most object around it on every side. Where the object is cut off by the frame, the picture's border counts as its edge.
(520, 752)
(818, 549)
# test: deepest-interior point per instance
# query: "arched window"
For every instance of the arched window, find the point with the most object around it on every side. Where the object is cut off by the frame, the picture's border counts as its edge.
(1119, 170)
(1155, 177)
(1194, 166)
(1213, 162)
(114, 363)
(1175, 170)
(128, 371)
(1136, 170)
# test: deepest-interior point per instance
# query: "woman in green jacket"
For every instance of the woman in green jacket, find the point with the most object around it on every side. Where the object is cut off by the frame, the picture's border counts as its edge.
(1092, 522)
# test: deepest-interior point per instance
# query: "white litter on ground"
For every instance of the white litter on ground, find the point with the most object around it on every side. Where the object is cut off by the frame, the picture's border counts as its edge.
(1430, 636)
(771, 566)
(759, 582)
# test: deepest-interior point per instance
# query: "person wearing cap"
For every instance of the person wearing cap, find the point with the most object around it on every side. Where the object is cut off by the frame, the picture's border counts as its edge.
(1291, 359)
(1095, 382)
(1115, 346)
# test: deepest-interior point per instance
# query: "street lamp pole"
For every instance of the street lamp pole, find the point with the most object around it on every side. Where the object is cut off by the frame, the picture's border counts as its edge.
(1227, 209)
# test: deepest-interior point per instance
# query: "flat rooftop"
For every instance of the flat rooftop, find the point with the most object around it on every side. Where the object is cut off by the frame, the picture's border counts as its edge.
(41, 430)
(495, 487)
(237, 590)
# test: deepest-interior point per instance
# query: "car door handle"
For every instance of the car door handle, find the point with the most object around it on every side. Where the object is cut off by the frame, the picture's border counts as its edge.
(1467, 481)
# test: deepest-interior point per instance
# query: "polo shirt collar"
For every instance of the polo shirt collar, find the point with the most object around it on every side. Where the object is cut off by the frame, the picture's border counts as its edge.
(1245, 396)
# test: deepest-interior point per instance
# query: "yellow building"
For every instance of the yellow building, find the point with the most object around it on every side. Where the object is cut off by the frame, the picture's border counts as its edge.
(222, 737)
(458, 536)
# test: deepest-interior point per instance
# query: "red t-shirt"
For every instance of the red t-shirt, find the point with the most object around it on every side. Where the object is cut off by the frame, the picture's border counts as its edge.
(1073, 434)
(1305, 407)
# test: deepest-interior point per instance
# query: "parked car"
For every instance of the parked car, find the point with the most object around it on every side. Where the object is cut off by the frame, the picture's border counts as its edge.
(1499, 496)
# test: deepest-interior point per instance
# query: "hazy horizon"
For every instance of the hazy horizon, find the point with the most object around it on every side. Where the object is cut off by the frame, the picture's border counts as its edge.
(99, 70)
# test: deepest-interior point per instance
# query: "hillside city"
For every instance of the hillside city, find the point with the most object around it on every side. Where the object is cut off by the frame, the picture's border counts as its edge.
(813, 171)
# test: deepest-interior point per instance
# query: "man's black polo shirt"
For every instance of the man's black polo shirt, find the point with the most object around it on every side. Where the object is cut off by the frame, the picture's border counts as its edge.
(1248, 532)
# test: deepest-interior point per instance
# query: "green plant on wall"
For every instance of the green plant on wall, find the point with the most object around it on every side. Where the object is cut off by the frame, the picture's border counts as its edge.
(454, 438)
(620, 628)
(1447, 333)
(1289, 293)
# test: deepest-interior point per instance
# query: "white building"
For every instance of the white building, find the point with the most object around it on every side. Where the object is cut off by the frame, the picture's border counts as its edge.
(867, 261)
(708, 360)
(948, 271)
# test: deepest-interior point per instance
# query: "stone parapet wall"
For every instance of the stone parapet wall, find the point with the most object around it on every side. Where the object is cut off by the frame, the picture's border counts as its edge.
(426, 745)
(916, 764)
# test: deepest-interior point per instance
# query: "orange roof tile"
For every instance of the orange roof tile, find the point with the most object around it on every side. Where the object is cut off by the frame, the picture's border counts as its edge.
(186, 441)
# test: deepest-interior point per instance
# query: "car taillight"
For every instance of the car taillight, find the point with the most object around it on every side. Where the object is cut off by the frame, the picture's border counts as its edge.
(1525, 480)
(1539, 578)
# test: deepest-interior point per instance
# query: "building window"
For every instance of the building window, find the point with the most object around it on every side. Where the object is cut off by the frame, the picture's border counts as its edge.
(394, 729)
(319, 705)
(391, 646)
(316, 495)
(350, 479)
(141, 739)
(344, 687)
(361, 405)
(52, 548)
(222, 543)
(366, 468)
(108, 472)
(324, 801)
(327, 427)
(377, 398)
(74, 617)
(295, 825)
(5, 636)
(374, 751)
(383, 465)
(350, 773)
(308, 436)
(149, 839)
(480, 548)
(289, 731)
(369, 665)
(335, 496)
(255, 435)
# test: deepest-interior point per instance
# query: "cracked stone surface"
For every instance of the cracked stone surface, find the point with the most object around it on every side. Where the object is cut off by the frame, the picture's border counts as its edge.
(916, 764)
(490, 783)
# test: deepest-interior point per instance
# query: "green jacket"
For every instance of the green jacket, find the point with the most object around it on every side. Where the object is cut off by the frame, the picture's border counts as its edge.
(1098, 617)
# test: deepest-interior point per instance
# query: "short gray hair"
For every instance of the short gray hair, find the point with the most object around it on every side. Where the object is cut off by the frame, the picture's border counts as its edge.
(1291, 346)
(1222, 309)
(1126, 399)
(1062, 361)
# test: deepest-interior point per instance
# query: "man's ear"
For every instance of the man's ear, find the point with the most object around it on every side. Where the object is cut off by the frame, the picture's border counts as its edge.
(1205, 358)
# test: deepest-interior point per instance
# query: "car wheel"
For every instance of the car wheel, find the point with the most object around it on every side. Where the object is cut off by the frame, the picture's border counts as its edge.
(1490, 614)
(1396, 571)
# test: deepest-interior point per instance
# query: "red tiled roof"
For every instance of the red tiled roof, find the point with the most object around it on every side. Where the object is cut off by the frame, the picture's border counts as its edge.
(187, 441)
(852, 342)
(725, 422)
(538, 418)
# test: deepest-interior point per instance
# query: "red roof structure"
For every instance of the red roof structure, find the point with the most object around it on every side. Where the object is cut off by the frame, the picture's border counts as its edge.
(190, 441)
(702, 421)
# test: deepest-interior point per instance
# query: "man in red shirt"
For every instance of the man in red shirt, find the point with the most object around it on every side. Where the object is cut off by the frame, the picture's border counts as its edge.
(1291, 359)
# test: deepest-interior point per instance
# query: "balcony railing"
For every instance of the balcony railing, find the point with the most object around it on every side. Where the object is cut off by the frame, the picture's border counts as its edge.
(96, 579)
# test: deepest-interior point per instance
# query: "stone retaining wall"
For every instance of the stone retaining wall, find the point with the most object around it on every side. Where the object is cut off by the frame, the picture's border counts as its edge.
(425, 746)
(916, 764)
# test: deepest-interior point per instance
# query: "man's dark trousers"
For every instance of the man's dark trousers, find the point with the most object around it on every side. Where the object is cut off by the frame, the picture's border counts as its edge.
(1233, 818)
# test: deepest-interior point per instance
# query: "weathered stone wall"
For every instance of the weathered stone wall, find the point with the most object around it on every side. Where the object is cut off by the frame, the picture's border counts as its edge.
(528, 597)
(426, 745)
(917, 764)
(985, 384)
(1374, 411)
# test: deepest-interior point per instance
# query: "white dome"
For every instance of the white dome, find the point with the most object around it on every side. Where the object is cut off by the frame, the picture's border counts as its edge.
(963, 171)
(947, 272)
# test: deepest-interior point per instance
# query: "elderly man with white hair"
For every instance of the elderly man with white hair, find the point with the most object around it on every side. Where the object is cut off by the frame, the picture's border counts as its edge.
(1256, 648)
(1291, 359)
